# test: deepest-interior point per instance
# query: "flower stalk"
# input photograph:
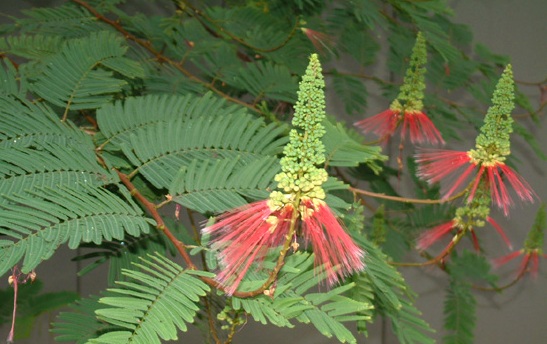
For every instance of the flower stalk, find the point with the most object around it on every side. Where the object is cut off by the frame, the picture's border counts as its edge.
(468, 218)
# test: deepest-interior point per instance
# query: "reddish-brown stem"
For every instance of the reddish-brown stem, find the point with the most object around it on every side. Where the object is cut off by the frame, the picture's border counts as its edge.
(181, 247)
(197, 14)
(160, 224)
(211, 319)
(438, 259)
(506, 286)
(159, 56)
(15, 282)
(405, 199)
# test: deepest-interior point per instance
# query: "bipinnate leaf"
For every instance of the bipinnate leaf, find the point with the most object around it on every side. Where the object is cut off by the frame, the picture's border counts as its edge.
(158, 300)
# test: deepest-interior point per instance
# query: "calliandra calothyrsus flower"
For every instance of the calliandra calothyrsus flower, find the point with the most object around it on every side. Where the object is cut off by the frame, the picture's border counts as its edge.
(245, 235)
(486, 162)
(406, 111)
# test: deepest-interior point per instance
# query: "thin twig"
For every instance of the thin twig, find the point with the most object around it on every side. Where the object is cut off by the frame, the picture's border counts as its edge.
(160, 224)
(196, 13)
(405, 199)
(159, 56)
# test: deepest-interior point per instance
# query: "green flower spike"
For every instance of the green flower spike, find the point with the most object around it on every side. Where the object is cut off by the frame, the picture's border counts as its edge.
(411, 94)
(407, 108)
(300, 176)
(493, 143)
(533, 247)
(241, 235)
(487, 161)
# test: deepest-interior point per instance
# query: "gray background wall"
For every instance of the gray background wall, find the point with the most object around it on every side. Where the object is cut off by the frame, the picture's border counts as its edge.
(517, 28)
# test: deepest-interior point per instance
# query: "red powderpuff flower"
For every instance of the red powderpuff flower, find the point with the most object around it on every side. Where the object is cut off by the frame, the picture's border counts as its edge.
(530, 257)
(244, 235)
(420, 128)
(382, 125)
(320, 41)
(335, 252)
(436, 165)
(433, 235)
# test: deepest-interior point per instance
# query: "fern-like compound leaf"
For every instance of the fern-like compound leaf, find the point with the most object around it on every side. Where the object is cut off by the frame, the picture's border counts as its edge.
(81, 76)
(213, 186)
(158, 299)
(36, 223)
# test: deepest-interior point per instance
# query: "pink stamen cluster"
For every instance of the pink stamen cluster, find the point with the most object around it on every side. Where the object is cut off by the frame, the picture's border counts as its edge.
(245, 235)
(419, 127)
(436, 165)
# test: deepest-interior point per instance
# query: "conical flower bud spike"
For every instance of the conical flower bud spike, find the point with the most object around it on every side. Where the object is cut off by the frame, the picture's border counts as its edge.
(533, 247)
(244, 236)
(411, 93)
(486, 162)
(494, 137)
(407, 108)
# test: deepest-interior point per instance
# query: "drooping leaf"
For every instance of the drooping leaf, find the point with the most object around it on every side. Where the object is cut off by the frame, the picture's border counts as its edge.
(460, 314)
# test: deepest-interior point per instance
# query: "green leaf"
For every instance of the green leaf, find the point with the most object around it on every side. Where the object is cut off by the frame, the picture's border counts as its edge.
(363, 47)
(11, 81)
(391, 295)
(460, 313)
(31, 46)
(122, 254)
(343, 149)
(25, 123)
(67, 20)
(156, 301)
(50, 166)
(159, 151)
(326, 311)
(264, 80)
(119, 120)
(472, 268)
(80, 323)
(352, 93)
(213, 186)
(37, 222)
(76, 77)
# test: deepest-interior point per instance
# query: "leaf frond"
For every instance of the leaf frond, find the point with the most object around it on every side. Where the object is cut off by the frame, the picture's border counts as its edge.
(24, 124)
(39, 221)
(154, 303)
(80, 76)
(50, 166)
(213, 186)
(159, 151)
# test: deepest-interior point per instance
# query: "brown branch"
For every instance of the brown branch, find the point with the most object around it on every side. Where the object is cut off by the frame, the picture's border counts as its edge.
(405, 199)
(181, 247)
(197, 14)
(531, 83)
(160, 224)
(160, 57)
